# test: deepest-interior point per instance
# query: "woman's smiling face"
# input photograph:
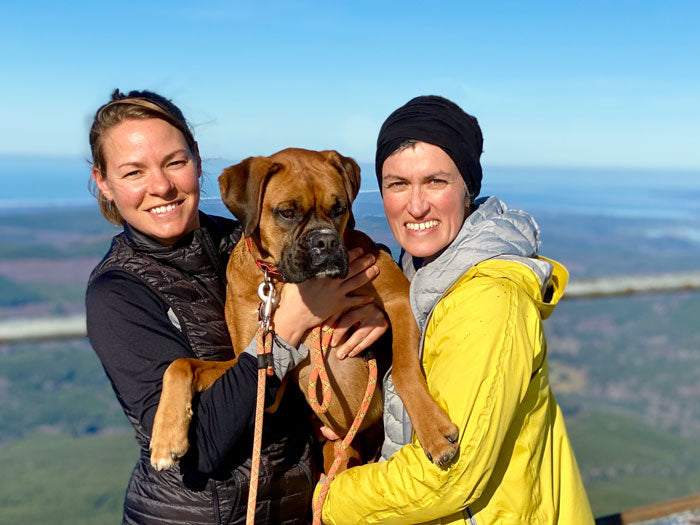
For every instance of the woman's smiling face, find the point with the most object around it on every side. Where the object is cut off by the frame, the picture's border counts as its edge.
(425, 199)
(152, 177)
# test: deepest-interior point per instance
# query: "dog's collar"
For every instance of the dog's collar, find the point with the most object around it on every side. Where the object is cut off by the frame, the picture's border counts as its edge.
(265, 267)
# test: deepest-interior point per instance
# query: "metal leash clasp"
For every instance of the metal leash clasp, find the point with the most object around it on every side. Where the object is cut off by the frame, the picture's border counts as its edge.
(268, 302)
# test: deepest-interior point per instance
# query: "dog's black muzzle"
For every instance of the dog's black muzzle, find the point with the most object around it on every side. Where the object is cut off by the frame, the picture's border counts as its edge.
(318, 253)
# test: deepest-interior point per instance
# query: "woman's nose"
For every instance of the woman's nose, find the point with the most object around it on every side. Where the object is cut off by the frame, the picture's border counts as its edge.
(159, 183)
(418, 206)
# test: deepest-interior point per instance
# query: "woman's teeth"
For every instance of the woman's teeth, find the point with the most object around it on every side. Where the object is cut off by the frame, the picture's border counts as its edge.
(416, 226)
(162, 209)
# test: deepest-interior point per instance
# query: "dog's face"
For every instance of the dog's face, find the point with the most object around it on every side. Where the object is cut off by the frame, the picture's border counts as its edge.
(295, 206)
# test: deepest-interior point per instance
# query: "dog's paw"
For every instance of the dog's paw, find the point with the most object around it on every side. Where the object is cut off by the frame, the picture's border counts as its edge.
(169, 442)
(440, 444)
(165, 457)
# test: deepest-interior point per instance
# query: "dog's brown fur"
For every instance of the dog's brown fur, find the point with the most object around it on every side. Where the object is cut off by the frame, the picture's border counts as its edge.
(318, 187)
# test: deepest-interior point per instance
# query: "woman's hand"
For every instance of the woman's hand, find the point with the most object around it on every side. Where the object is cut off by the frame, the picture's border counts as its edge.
(306, 305)
(370, 324)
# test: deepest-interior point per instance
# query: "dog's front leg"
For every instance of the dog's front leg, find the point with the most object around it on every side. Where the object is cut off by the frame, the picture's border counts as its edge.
(436, 433)
(181, 380)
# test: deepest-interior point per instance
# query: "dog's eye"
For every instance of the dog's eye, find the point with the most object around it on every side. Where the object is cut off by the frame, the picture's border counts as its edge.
(337, 210)
(287, 214)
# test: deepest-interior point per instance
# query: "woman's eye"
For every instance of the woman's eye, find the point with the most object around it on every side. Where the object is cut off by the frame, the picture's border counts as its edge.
(177, 163)
(131, 174)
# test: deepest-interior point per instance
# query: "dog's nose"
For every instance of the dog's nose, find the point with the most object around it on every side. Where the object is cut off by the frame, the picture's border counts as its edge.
(323, 242)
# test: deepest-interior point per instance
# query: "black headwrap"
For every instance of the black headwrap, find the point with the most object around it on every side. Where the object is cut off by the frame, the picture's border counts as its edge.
(440, 122)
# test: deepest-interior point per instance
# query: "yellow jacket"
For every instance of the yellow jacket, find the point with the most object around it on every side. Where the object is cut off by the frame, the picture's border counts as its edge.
(485, 361)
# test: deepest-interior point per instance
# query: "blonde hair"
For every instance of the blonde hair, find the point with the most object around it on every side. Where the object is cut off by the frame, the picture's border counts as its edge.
(121, 107)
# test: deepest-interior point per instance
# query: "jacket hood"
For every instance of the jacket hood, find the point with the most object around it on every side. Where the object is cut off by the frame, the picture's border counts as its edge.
(491, 231)
(526, 273)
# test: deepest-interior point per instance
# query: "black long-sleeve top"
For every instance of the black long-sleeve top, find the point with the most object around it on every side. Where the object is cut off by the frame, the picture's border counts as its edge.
(136, 339)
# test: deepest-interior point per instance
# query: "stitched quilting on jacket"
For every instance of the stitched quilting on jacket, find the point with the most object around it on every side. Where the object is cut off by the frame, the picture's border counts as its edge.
(189, 278)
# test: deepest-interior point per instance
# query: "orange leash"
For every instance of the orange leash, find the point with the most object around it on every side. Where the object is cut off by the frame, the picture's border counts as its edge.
(322, 339)
(264, 349)
(321, 344)
(264, 337)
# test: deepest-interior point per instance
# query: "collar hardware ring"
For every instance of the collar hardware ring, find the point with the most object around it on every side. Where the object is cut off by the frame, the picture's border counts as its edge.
(268, 301)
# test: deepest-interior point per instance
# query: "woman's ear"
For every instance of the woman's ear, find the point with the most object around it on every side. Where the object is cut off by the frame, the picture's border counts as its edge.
(468, 204)
(101, 184)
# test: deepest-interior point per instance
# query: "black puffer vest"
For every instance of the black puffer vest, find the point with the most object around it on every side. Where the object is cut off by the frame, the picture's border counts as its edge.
(190, 278)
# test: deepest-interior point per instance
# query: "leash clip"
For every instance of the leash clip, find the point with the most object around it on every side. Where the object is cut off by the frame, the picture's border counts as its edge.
(268, 301)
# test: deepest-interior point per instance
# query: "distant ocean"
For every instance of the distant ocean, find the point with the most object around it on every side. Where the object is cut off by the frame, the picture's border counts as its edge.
(36, 182)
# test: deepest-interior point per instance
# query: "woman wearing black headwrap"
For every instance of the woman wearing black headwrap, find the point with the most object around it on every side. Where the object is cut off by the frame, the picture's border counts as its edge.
(437, 121)
(479, 293)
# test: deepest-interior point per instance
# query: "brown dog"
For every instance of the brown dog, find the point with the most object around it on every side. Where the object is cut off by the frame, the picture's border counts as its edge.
(295, 208)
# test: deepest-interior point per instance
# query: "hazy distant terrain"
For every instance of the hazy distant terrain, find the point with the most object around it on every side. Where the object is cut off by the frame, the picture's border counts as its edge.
(625, 370)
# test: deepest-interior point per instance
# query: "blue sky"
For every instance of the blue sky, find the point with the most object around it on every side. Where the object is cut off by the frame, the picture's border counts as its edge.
(611, 84)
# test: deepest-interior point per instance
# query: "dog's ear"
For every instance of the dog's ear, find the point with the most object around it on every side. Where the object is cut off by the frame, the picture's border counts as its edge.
(242, 188)
(350, 171)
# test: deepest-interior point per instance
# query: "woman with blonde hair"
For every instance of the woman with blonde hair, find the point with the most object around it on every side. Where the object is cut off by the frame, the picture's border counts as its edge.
(158, 295)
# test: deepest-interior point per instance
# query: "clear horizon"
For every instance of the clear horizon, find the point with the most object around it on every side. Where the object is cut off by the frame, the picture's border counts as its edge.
(647, 194)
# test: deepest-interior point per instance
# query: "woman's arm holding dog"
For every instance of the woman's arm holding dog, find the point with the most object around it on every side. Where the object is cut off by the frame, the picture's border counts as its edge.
(136, 342)
(130, 330)
(480, 374)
